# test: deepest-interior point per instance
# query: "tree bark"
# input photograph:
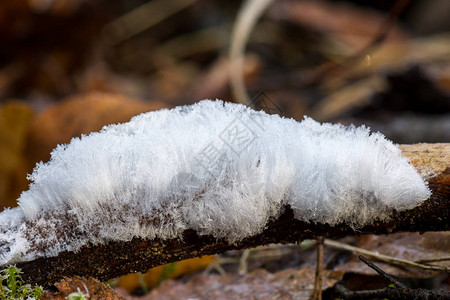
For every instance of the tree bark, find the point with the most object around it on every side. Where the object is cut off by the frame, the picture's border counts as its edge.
(119, 258)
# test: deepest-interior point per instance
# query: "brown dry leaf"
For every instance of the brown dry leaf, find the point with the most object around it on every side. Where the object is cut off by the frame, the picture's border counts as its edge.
(92, 287)
(80, 115)
(15, 119)
(259, 284)
(155, 275)
(409, 246)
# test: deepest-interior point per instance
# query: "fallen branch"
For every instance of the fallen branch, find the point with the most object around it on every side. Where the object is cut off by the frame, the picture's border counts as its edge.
(118, 258)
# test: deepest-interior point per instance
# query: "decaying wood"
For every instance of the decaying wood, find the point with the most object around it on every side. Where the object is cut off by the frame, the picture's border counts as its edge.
(118, 258)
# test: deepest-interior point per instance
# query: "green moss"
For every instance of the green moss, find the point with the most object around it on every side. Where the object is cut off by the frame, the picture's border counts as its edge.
(12, 287)
(78, 296)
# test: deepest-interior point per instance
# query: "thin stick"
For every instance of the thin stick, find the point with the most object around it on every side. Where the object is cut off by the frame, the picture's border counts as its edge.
(384, 258)
(382, 273)
(423, 261)
(319, 270)
(243, 265)
(248, 14)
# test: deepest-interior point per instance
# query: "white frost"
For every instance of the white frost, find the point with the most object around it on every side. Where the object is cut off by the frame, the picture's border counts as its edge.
(218, 168)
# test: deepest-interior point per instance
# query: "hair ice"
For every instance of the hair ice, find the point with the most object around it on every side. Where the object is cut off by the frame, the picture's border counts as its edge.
(219, 168)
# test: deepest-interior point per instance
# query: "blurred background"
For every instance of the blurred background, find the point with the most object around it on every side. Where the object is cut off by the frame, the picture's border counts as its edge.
(69, 67)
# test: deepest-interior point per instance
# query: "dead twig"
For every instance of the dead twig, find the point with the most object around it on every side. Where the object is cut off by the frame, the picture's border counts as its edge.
(319, 270)
(424, 261)
(384, 258)
(247, 17)
(382, 273)
(400, 292)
